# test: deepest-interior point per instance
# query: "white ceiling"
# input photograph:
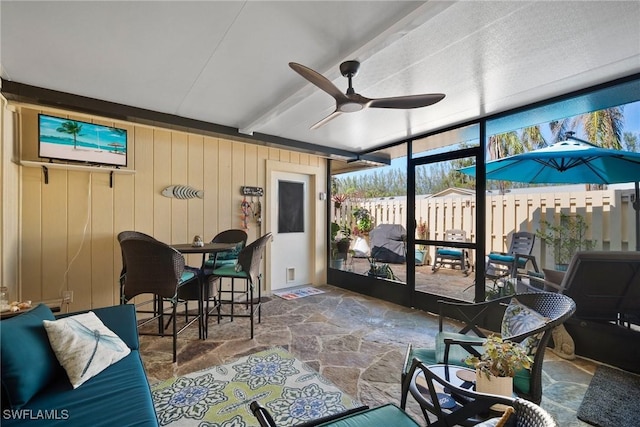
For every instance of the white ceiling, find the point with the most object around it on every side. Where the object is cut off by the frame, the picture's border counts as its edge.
(226, 62)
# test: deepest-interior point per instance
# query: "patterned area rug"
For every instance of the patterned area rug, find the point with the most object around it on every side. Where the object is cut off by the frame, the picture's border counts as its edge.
(220, 396)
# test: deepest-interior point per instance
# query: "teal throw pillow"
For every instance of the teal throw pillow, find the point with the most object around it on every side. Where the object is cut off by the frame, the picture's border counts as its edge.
(232, 254)
(28, 362)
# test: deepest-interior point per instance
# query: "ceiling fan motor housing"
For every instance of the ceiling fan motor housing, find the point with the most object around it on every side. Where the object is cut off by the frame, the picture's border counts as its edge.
(349, 68)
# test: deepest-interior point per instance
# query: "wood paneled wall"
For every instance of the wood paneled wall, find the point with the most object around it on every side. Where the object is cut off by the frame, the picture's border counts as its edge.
(69, 226)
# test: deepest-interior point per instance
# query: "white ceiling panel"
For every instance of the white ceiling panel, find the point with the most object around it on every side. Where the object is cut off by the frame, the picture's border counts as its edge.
(227, 62)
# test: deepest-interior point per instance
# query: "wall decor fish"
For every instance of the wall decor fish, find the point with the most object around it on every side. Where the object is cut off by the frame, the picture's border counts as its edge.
(182, 192)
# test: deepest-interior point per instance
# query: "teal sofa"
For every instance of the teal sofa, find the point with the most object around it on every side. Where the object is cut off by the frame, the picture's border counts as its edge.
(36, 390)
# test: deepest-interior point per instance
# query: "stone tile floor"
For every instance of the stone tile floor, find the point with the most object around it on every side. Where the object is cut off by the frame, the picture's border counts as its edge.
(356, 341)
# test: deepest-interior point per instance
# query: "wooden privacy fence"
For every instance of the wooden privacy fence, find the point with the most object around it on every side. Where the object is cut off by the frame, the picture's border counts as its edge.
(609, 214)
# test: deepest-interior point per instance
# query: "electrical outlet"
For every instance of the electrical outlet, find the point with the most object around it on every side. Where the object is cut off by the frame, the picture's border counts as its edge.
(67, 297)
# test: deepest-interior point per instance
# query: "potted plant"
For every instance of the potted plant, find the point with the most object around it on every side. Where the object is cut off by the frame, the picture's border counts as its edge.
(364, 221)
(336, 260)
(340, 241)
(338, 200)
(497, 365)
(501, 288)
(567, 237)
(380, 269)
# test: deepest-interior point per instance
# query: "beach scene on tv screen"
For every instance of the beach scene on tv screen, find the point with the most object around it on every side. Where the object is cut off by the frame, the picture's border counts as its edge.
(82, 142)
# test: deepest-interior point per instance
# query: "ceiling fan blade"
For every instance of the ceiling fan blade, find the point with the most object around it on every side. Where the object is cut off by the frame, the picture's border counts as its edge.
(317, 79)
(405, 102)
(326, 119)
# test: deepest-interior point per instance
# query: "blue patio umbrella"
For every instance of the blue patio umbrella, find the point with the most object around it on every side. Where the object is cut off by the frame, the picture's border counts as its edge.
(566, 162)
(569, 162)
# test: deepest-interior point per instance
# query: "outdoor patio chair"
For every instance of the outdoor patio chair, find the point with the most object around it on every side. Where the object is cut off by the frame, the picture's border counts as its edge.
(224, 259)
(247, 268)
(537, 315)
(471, 407)
(227, 258)
(123, 235)
(452, 256)
(152, 267)
(506, 264)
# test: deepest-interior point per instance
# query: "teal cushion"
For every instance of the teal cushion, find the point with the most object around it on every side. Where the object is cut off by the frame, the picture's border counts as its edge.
(220, 263)
(457, 353)
(187, 275)
(229, 271)
(522, 381)
(425, 355)
(386, 415)
(500, 257)
(27, 360)
(507, 259)
(130, 405)
(449, 252)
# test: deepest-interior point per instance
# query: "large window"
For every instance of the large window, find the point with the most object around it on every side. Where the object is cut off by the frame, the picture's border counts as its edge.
(416, 189)
(368, 208)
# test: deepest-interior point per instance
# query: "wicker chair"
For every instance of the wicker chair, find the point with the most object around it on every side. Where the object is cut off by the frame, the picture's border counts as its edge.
(152, 267)
(489, 316)
(249, 260)
(225, 259)
(471, 408)
(123, 236)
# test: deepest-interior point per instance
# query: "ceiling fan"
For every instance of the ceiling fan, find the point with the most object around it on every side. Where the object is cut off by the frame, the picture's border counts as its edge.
(351, 101)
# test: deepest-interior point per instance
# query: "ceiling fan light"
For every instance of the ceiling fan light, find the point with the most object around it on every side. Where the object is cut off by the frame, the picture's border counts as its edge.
(350, 107)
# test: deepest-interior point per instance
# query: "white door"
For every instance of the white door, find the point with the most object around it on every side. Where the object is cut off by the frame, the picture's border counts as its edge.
(290, 213)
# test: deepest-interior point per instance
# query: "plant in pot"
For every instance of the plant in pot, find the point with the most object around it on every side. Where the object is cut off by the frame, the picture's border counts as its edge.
(501, 288)
(338, 200)
(380, 269)
(364, 221)
(566, 237)
(336, 260)
(340, 241)
(497, 365)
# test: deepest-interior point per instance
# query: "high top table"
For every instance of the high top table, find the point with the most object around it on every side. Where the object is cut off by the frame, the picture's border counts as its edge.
(207, 248)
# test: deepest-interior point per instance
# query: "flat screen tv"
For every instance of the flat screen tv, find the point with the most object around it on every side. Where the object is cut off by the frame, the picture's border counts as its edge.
(76, 141)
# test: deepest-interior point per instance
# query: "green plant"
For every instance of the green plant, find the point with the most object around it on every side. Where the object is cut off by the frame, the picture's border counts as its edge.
(501, 358)
(501, 289)
(335, 227)
(567, 237)
(340, 240)
(364, 221)
(380, 269)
